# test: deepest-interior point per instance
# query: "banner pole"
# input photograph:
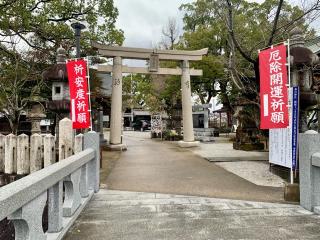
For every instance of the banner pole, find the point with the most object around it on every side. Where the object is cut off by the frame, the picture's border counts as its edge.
(289, 66)
(89, 92)
(290, 85)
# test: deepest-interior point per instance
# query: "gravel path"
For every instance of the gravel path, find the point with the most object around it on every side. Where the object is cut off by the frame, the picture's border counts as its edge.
(256, 172)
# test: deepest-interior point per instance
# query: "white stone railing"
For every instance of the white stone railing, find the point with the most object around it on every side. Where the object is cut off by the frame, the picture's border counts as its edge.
(309, 170)
(23, 201)
(21, 155)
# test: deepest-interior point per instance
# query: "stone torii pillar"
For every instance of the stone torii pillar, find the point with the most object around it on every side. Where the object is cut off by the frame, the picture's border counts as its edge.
(116, 106)
(188, 135)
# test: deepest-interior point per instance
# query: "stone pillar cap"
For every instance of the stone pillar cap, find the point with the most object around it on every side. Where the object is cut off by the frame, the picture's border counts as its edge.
(311, 132)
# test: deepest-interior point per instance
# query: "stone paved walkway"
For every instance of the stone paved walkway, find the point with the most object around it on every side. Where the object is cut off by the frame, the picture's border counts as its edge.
(121, 215)
(157, 191)
(163, 167)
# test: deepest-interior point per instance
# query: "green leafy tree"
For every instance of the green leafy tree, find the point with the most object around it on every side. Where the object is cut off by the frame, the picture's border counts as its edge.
(20, 85)
(45, 24)
(30, 33)
(201, 33)
(235, 30)
(140, 90)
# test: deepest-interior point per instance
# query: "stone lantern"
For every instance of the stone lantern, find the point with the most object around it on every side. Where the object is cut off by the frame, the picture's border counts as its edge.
(302, 61)
(247, 132)
(56, 75)
(36, 114)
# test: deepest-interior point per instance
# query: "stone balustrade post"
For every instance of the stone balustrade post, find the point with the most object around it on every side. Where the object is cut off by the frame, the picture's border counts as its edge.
(23, 159)
(91, 140)
(10, 158)
(78, 143)
(55, 207)
(35, 153)
(55, 193)
(2, 148)
(65, 138)
(28, 219)
(72, 198)
(309, 143)
(49, 153)
(78, 147)
(71, 183)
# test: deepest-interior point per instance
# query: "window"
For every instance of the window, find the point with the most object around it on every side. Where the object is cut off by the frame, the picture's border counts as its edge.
(57, 89)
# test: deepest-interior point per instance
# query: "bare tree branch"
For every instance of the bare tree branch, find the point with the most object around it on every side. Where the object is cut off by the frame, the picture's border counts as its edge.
(7, 3)
(232, 34)
(38, 3)
(275, 23)
(315, 7)
(171, 32)
(71, 16)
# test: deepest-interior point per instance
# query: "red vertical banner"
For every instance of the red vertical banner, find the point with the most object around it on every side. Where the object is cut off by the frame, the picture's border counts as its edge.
(78, 86)
(273, 88)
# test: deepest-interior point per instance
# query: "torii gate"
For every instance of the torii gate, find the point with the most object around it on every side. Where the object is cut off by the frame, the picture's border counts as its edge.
(153, 55)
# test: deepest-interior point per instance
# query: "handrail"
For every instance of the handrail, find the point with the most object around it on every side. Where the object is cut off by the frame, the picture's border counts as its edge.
(15, 195)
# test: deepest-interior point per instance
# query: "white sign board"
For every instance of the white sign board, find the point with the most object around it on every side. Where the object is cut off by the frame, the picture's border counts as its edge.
(280, 147)
(45, 122)
(156, 124)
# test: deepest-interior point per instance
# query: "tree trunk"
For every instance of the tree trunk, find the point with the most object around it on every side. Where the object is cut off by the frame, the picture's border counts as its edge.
(13, 119)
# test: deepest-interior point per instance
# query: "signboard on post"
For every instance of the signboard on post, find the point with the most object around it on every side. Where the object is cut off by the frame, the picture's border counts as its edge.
(156, 124)
(78, 86)
(273, 88)
(295, 125)
(280, 147)
(283, 146)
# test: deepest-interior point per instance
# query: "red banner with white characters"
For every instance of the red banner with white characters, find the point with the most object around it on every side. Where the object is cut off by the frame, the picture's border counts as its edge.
(273, 88)
(78, 86)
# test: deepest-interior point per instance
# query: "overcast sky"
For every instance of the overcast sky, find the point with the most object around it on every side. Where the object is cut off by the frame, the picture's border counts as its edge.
(142, 20)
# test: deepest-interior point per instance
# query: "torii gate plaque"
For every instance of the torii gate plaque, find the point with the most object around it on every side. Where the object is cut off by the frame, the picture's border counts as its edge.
(154, 56)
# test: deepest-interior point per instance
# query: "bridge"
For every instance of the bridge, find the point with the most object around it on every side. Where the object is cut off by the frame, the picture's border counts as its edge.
(86, 211)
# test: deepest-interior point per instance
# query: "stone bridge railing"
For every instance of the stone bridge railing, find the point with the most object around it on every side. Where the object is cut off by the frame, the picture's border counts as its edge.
(309, 170)
(24, 200)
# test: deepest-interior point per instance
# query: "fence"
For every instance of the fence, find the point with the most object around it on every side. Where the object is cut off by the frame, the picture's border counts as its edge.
(23, 201)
